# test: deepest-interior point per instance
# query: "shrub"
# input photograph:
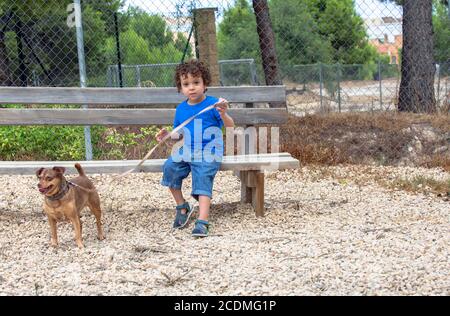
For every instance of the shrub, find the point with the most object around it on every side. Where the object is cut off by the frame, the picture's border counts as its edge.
(43, 142)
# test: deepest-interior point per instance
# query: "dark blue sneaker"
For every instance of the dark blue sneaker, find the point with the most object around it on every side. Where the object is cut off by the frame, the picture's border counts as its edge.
(201, 228)
(182, 219)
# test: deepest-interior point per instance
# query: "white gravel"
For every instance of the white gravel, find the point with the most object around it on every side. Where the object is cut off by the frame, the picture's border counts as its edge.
(324, 233)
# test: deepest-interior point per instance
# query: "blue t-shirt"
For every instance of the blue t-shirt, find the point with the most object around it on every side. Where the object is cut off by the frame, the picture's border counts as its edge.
(205, 130)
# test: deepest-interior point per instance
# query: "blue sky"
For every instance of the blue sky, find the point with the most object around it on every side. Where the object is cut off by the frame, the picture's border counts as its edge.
(373, 9)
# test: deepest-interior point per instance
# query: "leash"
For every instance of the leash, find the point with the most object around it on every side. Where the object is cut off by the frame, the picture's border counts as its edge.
(163, 140)
(80, 187)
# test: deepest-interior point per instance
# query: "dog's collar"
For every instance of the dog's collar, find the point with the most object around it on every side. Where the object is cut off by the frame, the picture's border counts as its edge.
(64, 188)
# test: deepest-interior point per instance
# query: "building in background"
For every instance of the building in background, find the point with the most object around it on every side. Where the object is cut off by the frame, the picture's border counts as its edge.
(385, 34)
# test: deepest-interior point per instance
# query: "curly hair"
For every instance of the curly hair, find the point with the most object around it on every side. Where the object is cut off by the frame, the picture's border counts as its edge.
(196, 69)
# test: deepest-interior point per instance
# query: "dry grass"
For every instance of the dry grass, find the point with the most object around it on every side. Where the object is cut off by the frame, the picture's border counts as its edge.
(365, 138)
(423, 184)
(442, 161)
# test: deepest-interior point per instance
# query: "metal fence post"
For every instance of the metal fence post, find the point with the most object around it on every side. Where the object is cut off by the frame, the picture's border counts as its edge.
(221, 75)
(381, 86)
(339, 85)
(438, 66)
(138, 76)
(109, 77)
(253, 72)
(82, 68)
(321, 86)
(119, 57)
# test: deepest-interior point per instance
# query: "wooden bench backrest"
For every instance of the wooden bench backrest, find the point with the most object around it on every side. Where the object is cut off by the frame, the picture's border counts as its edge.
(149, 97)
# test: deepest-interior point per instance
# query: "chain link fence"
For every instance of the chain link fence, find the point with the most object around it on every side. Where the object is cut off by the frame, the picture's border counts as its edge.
(332, 55)
(232, 73)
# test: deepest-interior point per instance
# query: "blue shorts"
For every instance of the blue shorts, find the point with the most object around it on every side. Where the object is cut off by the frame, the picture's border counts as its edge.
(203, 174)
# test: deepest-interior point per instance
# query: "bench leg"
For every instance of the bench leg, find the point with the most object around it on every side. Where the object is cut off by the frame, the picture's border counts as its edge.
(252, 190)
(246, 191)
(258, 194)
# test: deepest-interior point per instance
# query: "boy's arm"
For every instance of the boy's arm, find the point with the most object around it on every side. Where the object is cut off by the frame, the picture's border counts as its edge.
(222, 107)
(163, 133)
(227, 120)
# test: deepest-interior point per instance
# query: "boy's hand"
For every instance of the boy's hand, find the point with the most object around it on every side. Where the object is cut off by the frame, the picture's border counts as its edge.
(161, 134)
(222, 106)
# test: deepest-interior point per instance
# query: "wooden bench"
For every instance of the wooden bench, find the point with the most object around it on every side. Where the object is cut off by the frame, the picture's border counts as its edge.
(162, 101)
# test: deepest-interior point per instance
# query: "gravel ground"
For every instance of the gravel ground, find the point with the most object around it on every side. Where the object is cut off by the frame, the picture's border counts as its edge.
(324, 233)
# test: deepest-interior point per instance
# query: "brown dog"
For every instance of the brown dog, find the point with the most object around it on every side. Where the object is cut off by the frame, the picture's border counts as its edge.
(64, 200)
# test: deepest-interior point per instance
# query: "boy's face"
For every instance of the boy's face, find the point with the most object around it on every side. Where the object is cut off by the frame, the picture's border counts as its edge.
(193, 88)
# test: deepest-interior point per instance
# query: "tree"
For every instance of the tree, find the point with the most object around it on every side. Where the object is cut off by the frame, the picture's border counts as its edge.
(298, 38)
(5, 79)
(106, 10)
(418, 67)
(344, 29)
(237, 37)
(38, 41)
(134, 49)
(416, 92)
(306, 32)
(180, 44)
(147, 40)
(441, 25)
(152, 28)
(266, 42)
(11, 21)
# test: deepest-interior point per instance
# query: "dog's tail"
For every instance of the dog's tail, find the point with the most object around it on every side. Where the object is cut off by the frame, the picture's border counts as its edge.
(79, 169)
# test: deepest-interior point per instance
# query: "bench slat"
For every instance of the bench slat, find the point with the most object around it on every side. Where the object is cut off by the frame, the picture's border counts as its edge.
(133, 96)
(126, 116)
(256, 162)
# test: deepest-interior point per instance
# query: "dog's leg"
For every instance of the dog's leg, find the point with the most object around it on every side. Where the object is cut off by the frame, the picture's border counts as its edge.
(94, 206)
(54, 236)
(98, 216)
(77, 227)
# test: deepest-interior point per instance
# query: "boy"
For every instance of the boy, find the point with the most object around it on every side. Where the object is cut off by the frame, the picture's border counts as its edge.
(192, 79)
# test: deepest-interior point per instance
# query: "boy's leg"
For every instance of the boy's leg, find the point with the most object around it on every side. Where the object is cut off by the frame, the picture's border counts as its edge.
(201, 228)
(179, 199)
(173, 175)
(203, 174)
(204, 203)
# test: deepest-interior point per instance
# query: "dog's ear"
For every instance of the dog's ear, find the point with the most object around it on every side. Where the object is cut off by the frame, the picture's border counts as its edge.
(39, 171)
(59, 170)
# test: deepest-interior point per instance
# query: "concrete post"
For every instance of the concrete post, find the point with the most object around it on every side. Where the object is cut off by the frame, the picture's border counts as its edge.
(206, 40)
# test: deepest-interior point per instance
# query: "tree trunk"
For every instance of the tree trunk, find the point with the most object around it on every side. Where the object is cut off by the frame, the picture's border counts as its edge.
(418, 67)
(5, 78)
(267, 44)
(23, 69)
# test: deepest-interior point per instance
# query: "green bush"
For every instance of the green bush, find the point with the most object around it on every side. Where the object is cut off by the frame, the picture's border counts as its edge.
(44, 142)
(121, 143)
(67, 142)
